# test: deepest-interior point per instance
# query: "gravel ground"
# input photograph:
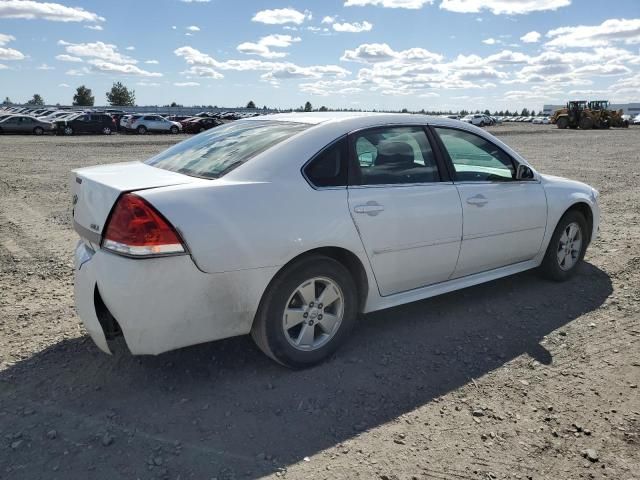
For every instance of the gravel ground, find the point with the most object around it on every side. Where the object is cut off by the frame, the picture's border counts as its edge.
(518, 378)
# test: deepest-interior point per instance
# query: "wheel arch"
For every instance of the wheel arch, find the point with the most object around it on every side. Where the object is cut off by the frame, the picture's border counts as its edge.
(345, 257)
(585, 209)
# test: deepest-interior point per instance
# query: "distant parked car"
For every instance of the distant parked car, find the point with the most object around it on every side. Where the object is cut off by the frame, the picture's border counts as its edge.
(126, 121)
(154, 123)
(199, 125)
(476, 119)
(636, 120)
(86, 123)
(24, 124)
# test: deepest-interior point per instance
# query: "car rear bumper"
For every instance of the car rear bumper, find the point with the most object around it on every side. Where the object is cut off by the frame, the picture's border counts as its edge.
(161, 304)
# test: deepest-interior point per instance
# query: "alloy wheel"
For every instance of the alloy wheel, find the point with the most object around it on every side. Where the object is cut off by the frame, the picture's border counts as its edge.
(569, 246)
(313, 313)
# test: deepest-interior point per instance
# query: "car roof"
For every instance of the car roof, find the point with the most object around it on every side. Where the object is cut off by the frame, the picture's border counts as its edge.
(353, 120)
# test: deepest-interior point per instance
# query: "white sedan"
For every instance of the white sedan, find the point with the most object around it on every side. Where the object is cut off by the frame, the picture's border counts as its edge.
(289, 226)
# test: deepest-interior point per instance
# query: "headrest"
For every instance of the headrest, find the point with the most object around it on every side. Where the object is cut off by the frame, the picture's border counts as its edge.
(390, 152)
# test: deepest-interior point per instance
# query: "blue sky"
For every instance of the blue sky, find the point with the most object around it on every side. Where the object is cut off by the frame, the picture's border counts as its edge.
(386, 54)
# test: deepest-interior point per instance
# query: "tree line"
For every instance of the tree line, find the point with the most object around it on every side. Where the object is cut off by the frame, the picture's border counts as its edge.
(121, 96)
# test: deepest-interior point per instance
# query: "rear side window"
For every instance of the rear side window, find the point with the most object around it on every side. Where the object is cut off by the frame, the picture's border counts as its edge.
(329, 168)
(393, 155)
(220, 150)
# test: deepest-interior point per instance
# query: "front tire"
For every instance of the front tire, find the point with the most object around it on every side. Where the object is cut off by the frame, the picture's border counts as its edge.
(68, 130)
(567, 247)
(106, 131)
(174, 129)
(562, 123)
(307, 312)
(38, 131)
(586, 123)
(141, 130)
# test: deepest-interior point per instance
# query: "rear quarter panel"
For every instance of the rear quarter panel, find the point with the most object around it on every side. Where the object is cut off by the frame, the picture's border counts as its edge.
(236, 226)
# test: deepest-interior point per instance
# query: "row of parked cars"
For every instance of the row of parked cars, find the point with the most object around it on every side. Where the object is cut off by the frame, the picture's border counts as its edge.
(39, 121)
(483, 120)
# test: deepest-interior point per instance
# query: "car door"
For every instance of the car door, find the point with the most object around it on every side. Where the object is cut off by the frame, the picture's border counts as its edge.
(95, 124)
(504, 218)
(150, 122)
(10, 125)
(405, 208)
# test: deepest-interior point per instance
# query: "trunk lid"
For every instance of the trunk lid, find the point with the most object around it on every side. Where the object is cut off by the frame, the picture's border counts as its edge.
(96, 189)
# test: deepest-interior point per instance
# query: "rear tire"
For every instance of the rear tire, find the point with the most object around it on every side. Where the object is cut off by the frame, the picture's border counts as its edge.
(174, 129)
(566, 249)
(289, 327)
(106, 131)
(141, 130)
(68, 130)
(38, 131)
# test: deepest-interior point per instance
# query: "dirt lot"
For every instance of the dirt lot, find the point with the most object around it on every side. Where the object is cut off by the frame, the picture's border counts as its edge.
(519, 378)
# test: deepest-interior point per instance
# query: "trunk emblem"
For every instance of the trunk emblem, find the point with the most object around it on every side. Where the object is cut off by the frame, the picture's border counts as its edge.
(95, 227)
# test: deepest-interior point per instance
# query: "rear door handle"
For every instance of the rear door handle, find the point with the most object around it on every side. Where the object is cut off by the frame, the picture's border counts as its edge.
(371, 208)
(477, 200)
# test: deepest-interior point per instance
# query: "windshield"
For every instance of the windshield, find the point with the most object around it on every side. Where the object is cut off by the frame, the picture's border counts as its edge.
(218, 151)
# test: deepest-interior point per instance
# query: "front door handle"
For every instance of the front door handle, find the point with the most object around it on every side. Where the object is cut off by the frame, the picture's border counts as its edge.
(371, 208)
(477, 200)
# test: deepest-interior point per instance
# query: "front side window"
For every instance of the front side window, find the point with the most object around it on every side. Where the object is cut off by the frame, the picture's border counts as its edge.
(221, 149)
(329, 168)
(474, 158)
(393, 155)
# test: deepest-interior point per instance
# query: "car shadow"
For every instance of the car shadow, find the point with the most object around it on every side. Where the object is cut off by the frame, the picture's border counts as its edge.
(223, 409)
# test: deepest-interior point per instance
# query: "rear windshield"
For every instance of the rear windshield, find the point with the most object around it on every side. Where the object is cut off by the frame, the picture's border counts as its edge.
(218, 151)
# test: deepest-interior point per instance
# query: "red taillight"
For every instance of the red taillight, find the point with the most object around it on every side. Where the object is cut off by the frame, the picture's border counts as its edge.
(136, 228)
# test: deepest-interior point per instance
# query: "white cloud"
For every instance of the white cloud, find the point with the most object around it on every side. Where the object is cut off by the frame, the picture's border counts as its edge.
(531, 37)
(328, 19)
(490, 41)
(10, 54)
(193, 28)
(280, 16)
(28, 9)
(195, 1)
(127, 69)
(381, 52)
(68, 58)
(355, 27)
(64, 85)
(94, 27)
(144, 83)
(204, 72)
(274, 71)
(173, 27)
(608, 32)
(44, 66)
(78, 72)
(410, 4)
(263, 47)
(130, 48)
(104, 51)
(186, 84)
(4, 38)
(151, 62)
(7, 53)
(499, 7)
(3, 66)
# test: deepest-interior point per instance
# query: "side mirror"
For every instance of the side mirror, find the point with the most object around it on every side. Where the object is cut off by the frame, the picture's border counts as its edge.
(524, 172)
